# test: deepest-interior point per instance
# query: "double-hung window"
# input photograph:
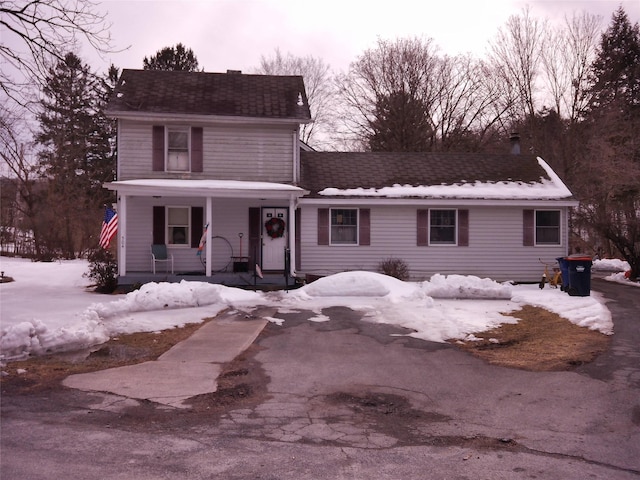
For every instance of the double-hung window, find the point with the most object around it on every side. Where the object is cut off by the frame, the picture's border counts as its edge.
(178, 225)
(442, 227)
(547, 227)
(344, 226)
(177, 149)
(178, 143)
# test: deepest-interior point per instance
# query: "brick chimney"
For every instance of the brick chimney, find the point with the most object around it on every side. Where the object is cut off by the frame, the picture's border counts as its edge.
(514, 138)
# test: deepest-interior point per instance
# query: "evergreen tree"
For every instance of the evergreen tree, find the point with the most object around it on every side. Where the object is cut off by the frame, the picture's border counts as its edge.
(178, 58)
(76, 156)
(400, 124)
(610, 189)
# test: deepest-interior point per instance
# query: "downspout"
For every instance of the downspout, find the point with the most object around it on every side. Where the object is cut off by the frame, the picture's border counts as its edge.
(292, 235)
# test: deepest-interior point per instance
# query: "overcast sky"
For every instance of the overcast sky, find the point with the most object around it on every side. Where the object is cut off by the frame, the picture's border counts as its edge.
(233, 34)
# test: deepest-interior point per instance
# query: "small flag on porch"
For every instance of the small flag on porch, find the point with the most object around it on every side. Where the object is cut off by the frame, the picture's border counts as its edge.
(203, 240)
(109, 227)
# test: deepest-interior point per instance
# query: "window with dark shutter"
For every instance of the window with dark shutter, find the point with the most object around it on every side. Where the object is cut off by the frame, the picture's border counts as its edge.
(197, 225)
(364, 233)
(323, 226)
(423, 228)
(528, 228)
(157, 147)
(158, 226)
(463, 228)
(196, 149)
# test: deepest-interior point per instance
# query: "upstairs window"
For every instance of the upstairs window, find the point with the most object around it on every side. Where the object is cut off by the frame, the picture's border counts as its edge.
(178, 149)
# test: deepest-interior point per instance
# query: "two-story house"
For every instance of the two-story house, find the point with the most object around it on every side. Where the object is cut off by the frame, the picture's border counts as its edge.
(220, 154)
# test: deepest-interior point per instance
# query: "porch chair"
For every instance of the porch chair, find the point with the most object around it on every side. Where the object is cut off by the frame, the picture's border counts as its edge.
(159, 254)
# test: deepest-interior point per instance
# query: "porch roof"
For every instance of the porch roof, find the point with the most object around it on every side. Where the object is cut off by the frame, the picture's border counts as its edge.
(205, 188)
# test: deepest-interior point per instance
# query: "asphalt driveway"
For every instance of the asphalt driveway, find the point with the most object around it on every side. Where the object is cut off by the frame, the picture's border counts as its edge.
(351, 399)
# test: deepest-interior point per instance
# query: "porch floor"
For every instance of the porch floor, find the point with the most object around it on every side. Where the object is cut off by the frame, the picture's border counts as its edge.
(246, 280)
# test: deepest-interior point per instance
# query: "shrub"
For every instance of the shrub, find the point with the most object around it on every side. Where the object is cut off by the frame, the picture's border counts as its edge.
(103, 270)
(394, 267)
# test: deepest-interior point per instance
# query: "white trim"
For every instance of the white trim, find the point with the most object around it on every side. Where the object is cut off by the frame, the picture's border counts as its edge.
(459, 202)
(177, 128)
(205, 188)
(208, 247)
(122, 228)
(189, 232)
(455, 229)
(357, 227)
(203, 119)
(535, 227)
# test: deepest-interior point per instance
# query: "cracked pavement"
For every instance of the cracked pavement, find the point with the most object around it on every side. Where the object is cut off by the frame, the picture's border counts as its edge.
(351, 399)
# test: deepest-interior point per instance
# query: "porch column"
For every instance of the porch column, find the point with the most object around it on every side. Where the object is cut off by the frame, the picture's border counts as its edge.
(208, 221)
(292, 235)
(122, 229)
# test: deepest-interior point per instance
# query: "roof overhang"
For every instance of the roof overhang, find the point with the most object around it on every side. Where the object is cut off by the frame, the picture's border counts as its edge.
(452, 202)
(198, 119)
(205, 188)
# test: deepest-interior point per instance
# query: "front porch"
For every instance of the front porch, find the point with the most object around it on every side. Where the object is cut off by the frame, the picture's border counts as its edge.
(245, 280)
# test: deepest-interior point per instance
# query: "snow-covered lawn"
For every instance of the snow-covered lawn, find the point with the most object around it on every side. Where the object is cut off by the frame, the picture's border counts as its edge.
(49, 307)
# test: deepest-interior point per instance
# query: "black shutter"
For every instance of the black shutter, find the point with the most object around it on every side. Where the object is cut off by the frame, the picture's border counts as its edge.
(158, 226)
(463, 228)
(323, 226)
(422, 223)
(157, 147)
(364, 234)
(197, 225)
(255, 229)
(196, 149)
(528, 227)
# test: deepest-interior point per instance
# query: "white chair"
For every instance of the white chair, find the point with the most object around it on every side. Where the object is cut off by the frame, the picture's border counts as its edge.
(159, 254)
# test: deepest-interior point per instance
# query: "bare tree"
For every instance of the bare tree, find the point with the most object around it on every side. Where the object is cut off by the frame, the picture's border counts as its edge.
(319, 86)
(37, 33)
(404, 68)
(566, 60)
(17, 154)
(517, 52)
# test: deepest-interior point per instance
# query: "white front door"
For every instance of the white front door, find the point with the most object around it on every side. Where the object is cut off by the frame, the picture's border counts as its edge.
(275, 229)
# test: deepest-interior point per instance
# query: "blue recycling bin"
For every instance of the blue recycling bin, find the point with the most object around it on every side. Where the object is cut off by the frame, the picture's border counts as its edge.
(564, 270)
(579, 276)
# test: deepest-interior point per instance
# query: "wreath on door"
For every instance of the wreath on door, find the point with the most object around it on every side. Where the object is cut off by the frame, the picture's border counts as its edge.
(275, 227)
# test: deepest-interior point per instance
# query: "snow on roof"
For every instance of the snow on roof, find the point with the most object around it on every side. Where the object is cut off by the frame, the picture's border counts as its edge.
(546, 188)
(211, 184)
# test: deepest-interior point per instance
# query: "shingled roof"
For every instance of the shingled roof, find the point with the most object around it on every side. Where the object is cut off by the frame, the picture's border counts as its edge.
(366, 174)
(199, 93)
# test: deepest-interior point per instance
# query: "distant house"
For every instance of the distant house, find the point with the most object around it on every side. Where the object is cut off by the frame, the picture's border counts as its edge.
(222, 151)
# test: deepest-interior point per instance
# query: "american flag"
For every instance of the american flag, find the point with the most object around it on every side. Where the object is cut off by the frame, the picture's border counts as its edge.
(109, 227)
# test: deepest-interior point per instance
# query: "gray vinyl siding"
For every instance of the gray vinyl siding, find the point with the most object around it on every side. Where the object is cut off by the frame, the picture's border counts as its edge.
(495, 246)
(230, 153)
(230, 217)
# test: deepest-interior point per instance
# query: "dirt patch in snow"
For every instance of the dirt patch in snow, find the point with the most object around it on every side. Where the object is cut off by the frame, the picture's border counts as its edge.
(46, 372)
(540, 341)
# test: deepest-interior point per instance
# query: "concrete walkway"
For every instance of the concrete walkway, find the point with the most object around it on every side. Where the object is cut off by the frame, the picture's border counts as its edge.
(189, 368)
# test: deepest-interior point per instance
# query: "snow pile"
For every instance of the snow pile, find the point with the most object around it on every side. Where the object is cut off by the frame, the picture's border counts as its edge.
(610, 265)
(66, 316)
(361, 284)
(158, 296)
(460, 286)
(621, 277)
